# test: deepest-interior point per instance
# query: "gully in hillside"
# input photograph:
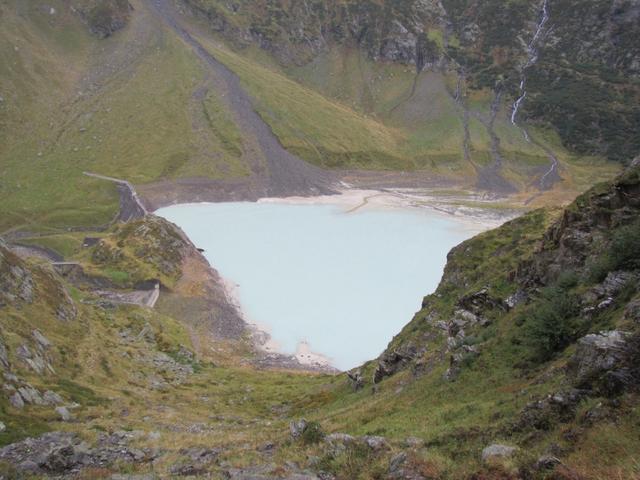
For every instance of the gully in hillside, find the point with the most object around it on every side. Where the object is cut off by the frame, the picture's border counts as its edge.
(551, 174)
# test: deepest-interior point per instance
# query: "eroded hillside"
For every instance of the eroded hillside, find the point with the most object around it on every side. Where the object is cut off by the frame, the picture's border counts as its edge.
(156, 94)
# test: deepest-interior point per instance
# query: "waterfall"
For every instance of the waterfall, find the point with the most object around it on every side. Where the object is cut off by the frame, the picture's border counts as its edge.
(532, 58)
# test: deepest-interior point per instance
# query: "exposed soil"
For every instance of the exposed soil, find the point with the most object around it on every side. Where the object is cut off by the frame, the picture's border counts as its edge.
(131, 207)
(275, 172)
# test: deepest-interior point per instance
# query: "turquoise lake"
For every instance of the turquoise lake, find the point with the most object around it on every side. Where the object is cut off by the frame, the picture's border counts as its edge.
(343, 282)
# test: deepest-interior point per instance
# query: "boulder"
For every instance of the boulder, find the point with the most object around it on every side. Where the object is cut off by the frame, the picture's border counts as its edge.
(457, 359)
(596, 355)
(64, 414)
(480, 302)
(42, 341)
(187, 470)
(201, 455)
(615, 283)
(30, 395)
(4, 357)
(52, 398)
(355, 377)
(49, 453)
(465, 316)
(343, 438)
(297, 428)
(632, 311)
(375, 443)
(550, 410)
(413, 442)
(392, 361)
(16, 400)
(516, 299)
(497, 451)
(36, 360)
(396, 462)
(60, 459)
(547, 462)
(59, 453)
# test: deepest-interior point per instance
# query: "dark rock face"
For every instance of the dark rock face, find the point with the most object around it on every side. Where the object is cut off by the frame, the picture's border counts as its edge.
(547, 462)
(21, 282)
(597, 355)
(106, 17)
(579, 237)
(457, 359)
(296, 33)
(392, 361)
(297, 428)
(356, 379)
(543, 414)
(494, 38)
(16, 282)
(480, 302)
(58, 453)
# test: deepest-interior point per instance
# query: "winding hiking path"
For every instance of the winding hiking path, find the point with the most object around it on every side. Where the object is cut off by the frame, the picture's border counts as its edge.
(281, 173)
(131, 207)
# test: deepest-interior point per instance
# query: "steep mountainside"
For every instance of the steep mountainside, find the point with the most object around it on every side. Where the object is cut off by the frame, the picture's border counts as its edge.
(582, 69)
(122, 355)
(205, 100)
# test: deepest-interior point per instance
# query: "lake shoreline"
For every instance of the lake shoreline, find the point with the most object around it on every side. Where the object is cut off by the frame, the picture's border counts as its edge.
(263, 342)
(352, 201)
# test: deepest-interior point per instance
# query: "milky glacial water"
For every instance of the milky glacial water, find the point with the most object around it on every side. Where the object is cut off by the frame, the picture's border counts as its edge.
(343, 282)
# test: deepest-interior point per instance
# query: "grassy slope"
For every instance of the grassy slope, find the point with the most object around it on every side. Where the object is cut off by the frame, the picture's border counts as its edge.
(343, 110)
(125, 107)
(241, 409)
(457, 419)
(122, 107)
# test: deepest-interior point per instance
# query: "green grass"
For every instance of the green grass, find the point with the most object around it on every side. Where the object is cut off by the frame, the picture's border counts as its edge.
(65, 244)
(105, 361)
(138, 125)
(144, 122)
(322, 131)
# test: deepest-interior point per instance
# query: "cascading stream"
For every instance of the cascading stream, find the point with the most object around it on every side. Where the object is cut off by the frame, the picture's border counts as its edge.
(532, 50)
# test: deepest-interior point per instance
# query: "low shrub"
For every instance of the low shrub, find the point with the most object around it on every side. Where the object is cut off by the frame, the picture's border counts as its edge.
(551, 323)
(312, 434)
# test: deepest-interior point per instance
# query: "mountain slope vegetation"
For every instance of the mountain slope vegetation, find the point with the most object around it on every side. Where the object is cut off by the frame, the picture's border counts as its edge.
(121, 353)
(80, 96)
(521, 362)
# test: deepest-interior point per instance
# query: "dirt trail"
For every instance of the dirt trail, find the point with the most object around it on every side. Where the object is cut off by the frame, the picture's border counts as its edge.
(131, 207)
(282, 174)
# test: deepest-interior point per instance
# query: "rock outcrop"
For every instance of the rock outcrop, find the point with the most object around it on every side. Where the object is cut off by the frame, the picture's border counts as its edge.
(104, 17)
(497, 451)
(297, 33)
